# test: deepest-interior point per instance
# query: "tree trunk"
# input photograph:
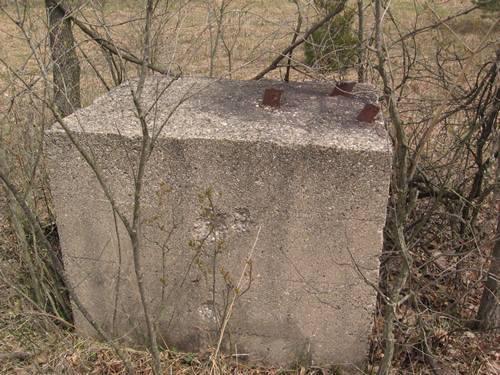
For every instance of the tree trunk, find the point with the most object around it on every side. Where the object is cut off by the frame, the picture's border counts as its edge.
(488, 315)
(66, 67)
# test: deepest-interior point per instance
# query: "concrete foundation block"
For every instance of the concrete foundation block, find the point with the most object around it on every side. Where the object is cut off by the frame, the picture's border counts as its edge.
(279, 209)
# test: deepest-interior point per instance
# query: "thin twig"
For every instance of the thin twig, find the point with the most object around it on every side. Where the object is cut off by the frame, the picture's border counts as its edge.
(230, 309)
(435, 120)
(301, 40)
(94, 35)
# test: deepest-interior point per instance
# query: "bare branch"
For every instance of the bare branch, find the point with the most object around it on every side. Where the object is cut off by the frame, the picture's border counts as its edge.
(94, 35)
(302, 39)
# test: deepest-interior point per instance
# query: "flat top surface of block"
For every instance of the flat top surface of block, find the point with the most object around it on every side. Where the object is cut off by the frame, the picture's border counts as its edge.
(233, 110)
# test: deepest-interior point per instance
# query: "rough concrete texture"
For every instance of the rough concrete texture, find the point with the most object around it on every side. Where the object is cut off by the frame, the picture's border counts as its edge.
(311, 177)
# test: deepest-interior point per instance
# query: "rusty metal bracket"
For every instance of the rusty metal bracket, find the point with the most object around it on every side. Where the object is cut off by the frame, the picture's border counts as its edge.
(368, 113)
(343, 88)
(272, 98)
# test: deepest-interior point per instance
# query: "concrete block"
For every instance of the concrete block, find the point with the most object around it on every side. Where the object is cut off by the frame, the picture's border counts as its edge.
(309, 176)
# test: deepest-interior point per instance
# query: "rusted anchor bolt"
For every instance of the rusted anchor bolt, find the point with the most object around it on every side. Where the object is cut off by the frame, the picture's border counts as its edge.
(368, 113)
(343, 88)
(272, 98)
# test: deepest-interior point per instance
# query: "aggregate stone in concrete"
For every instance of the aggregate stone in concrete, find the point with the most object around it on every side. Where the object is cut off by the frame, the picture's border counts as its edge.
(280, 210)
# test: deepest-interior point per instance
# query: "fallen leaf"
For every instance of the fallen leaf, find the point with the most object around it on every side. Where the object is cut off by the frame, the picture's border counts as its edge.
(41, 359)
